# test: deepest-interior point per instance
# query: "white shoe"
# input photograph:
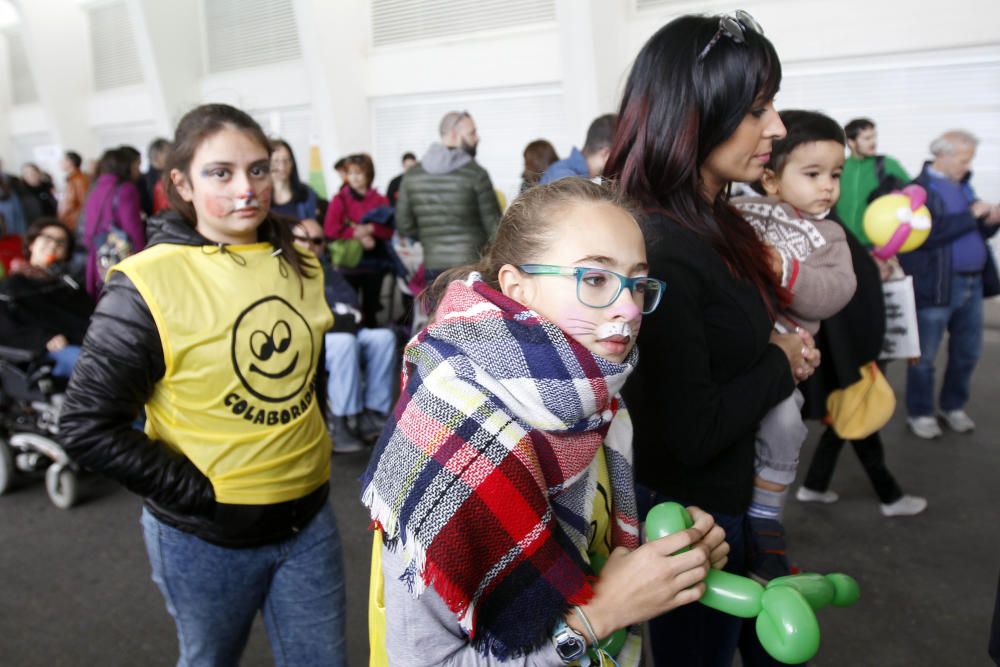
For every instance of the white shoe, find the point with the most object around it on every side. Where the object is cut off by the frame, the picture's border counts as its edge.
(958, 421)
(924, 427)
(905, 506)
(810, 496)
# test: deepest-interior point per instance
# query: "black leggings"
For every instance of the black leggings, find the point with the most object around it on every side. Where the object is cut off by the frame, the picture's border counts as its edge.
(869, 452)
(370, 287)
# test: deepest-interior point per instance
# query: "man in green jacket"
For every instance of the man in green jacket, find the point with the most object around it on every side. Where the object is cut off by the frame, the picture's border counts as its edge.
(861, 175)
(447, 200)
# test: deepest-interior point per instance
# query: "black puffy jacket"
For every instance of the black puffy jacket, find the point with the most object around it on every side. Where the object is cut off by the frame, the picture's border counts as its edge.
(118, 368)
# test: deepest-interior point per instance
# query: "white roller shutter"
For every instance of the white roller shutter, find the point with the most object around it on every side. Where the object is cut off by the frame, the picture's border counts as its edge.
(400, 21)
(248, 33)
(507, 120)
(113, 49)
(24, 149)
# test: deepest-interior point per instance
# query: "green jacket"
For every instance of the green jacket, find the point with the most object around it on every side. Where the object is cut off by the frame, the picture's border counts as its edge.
(447, 202)
(856, 183)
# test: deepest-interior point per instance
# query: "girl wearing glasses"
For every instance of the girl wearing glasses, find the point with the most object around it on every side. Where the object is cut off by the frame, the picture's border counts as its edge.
(697, 115)
(215, 332)
(504, 477)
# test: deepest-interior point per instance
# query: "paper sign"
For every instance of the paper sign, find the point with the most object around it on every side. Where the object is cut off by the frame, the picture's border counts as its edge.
(902, 338)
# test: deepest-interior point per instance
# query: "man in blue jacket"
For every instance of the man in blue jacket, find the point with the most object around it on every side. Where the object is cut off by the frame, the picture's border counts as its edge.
(952, 272)
(590, 161)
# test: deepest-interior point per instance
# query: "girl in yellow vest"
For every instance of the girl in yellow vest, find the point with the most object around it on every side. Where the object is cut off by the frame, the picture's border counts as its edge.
(503, 480)
(216, 329)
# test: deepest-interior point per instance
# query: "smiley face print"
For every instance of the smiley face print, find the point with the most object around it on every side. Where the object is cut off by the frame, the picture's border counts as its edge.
(272, 350)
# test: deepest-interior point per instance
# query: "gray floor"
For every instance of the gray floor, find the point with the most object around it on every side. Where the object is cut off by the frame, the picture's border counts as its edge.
(75, 588)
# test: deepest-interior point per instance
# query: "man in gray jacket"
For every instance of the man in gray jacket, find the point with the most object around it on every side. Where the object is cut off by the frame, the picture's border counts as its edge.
(447, 200)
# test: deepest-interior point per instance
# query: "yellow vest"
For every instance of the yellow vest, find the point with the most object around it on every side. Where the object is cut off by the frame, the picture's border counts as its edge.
(241, 338)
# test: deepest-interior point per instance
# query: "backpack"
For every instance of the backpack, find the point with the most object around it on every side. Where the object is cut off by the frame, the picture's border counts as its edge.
(887, 183)
(111, 243)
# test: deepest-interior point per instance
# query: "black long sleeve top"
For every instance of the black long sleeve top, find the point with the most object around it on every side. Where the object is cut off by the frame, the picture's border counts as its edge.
(707, 375)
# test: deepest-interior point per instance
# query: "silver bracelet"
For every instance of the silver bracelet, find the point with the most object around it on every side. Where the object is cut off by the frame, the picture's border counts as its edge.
(586, 624)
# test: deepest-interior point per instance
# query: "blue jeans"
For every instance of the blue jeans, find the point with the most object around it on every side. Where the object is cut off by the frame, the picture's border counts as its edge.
(375, 350)
(963, 319)
(695, 635)
(214, 593)
(65, 360)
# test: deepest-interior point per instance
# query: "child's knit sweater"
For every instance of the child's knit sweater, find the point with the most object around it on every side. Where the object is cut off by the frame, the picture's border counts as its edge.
(817, 265)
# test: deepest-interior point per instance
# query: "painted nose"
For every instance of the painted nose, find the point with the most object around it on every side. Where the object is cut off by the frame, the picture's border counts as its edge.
(625, 307)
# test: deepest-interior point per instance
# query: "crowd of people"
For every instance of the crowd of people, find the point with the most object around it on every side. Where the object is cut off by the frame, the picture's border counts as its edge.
(247, 320)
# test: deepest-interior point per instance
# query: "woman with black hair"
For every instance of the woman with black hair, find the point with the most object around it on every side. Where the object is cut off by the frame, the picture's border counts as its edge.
(292, 197)
(696, 116)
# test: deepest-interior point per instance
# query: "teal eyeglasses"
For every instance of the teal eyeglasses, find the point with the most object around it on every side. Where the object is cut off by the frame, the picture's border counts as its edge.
(599, 288)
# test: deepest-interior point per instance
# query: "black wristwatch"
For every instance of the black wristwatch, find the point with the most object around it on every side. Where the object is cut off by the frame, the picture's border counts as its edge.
(570, 644)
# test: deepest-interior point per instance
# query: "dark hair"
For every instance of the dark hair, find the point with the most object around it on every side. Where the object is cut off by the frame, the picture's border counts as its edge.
(525, 231)
(363, 162)
(675, 111)
(131, 152)
(407, 156)
(157, 145)
(116, 162)
(35, 230)
(194, 128)
(802, 127)
(74, 158)
(857, 126)
(299, 190)
(340, 164)
(600, 134)
(538, 155)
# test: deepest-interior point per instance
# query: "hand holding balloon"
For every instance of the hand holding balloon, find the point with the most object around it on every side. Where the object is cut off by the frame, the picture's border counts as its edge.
(635, 586)
(786, 623)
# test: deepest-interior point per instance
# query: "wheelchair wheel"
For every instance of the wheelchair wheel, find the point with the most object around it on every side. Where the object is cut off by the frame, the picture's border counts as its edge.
(60, 484)
(6, 466)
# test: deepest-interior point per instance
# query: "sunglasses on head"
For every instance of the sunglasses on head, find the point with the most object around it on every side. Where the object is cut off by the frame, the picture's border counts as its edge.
(734, 27)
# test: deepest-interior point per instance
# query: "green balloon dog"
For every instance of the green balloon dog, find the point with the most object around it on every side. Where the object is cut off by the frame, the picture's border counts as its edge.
(784, 609)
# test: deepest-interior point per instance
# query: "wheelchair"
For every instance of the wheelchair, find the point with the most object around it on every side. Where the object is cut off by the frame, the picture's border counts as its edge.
(30, 403)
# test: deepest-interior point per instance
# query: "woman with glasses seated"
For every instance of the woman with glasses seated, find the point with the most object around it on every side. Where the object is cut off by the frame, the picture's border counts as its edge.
(697, 115)
(41, 307)
(358, 404)
(503, 480)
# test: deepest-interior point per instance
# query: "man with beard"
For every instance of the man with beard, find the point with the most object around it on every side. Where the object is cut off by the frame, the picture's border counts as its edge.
(447, 200)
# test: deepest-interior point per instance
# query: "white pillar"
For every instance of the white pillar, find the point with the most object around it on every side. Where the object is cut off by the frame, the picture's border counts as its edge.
(57, 43)
(333, 37)
(171, 60)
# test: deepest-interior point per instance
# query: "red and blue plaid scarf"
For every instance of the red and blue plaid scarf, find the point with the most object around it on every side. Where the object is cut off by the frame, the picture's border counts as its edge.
(486, 473)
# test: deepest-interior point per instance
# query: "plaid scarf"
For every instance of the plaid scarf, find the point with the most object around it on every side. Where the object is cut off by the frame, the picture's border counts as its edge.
(487, 469)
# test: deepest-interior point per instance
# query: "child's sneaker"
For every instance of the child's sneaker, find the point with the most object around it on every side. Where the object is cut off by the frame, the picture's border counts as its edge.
(807, 495)
(905, 506)
(767, 550)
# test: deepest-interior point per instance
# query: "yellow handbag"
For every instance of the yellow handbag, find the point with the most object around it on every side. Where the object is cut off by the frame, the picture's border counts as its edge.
(376, 607)
(864, 407)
